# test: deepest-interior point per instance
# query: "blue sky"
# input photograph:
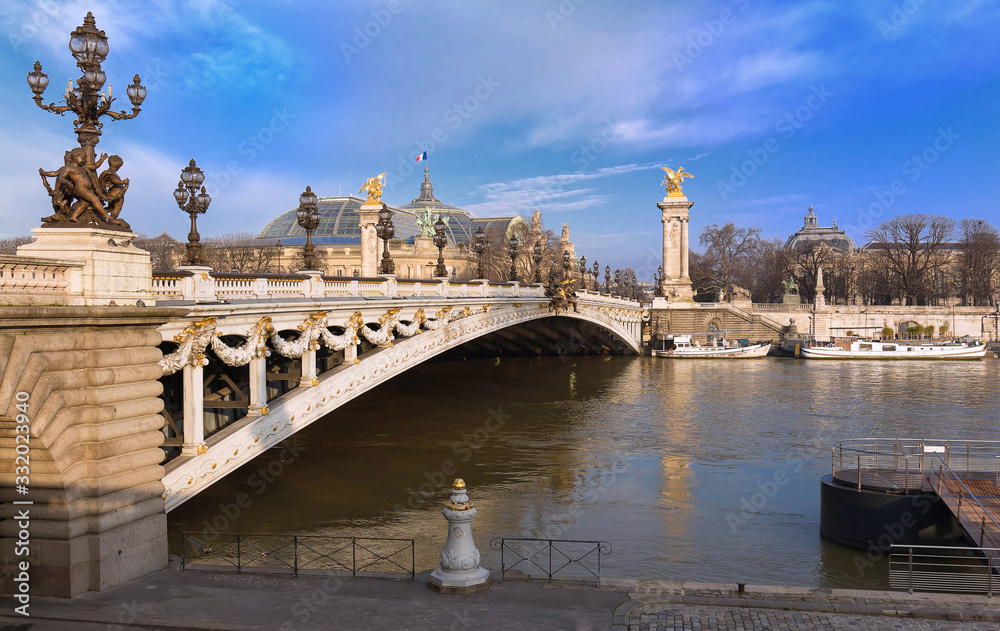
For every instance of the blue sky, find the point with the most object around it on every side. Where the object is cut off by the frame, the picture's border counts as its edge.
(863, 108)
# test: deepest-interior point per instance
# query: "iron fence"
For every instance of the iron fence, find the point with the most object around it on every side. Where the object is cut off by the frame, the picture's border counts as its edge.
(571, 559)
(358, 556)
(907, 461)
(943, 569)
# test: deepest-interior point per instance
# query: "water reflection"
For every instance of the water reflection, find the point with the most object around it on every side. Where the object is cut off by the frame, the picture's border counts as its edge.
(693, 470)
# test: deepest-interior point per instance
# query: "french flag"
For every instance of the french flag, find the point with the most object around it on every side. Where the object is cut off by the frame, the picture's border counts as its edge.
(422, 156)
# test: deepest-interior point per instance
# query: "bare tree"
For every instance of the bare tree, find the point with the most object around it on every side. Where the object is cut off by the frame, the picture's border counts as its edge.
(8, 245)
(872, 283)
(702, 283)
(842, 283)
(164, 250)
(803, 265)
(978, 263)
(764, 271)
(910, 248)
(728, 248)
(496, 258)
(240, 252)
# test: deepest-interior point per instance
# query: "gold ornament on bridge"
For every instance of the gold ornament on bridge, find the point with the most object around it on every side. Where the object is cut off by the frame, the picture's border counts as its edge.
(673, 181)
(373, 186)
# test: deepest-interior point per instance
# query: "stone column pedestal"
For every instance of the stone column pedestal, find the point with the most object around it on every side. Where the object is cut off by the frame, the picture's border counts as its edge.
(113, 268)
(676, 284)
(459, 572)
(370, 254)
(199, 286)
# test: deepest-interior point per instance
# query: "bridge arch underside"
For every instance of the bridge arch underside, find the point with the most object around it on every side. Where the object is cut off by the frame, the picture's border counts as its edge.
(555, 335)
(523, 330)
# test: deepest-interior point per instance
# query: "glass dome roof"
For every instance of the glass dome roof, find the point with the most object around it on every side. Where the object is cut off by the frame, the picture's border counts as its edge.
(340, 224)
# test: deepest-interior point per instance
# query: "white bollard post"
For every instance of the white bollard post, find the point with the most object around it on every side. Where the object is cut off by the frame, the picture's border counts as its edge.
(459, 572)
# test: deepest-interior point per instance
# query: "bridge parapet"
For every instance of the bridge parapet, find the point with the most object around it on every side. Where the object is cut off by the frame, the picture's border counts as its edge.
(31, 281)
(190, 285)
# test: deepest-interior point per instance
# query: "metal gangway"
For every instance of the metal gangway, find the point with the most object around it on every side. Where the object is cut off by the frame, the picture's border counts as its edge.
(965, 475)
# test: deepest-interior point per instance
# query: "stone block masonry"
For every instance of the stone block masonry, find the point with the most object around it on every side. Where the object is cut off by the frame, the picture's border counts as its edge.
(93, 478)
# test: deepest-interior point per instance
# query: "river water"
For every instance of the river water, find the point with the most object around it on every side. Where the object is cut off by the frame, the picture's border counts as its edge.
(695, 470)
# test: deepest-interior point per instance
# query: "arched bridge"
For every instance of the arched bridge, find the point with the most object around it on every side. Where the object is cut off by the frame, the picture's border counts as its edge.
(251, 368)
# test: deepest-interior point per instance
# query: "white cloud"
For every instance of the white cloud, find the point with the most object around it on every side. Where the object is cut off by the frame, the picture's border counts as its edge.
(550, 193)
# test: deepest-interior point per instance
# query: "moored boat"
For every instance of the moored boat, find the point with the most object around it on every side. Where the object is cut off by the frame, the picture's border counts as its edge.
(863, 349)
(681, 347)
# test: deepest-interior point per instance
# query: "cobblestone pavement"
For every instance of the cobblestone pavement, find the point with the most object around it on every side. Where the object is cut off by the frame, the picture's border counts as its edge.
(694, 618)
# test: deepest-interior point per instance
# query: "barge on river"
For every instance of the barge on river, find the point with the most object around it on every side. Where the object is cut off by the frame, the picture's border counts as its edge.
(681, 347)
(861, 349)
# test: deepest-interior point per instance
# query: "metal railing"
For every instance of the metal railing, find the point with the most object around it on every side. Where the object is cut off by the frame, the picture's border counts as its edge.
(942, 569)
(358, 556)
(911, 458)
(978, 518)
(573, 560)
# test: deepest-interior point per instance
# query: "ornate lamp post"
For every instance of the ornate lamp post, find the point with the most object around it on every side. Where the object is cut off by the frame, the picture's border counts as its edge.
(440, 240)
(308, 217)
(607, 279)
(565, 264)
(618, 282)
(385, 230)
(193, 203)
(89, 47)
(597, 277)
(536, 256)
(583, 272)
(512, 245)
(479, 247)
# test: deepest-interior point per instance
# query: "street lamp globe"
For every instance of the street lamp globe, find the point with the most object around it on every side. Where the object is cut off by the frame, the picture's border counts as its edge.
(88, 45)
(136, 92)
(38, 80)
(204, 199)
(181, 194)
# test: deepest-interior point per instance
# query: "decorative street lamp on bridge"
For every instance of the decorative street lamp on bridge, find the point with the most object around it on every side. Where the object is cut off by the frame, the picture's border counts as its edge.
(597, 277)
(565, 264)
(440, 240)
(193, 203)
(537, 258)
(512, 251)
(480, 249)
(607, 279)
(583, 272)
(89, 47)
(308, 217)
(385, 230)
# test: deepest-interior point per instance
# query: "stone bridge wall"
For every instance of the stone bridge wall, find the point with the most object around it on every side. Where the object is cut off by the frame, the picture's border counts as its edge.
(89, 378)
(972, 321)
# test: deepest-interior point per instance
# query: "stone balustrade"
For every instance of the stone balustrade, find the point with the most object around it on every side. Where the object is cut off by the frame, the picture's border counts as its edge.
(206, 286)
(27, 281)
